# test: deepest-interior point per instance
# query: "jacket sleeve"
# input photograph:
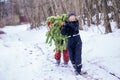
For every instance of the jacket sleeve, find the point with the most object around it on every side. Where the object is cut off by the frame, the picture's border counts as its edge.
(75, 26)
(64, 29)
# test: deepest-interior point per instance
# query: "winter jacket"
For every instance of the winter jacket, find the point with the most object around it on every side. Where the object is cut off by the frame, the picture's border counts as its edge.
(70, 28)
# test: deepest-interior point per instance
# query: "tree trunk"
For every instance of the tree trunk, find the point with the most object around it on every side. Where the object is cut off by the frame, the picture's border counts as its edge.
(106, 17)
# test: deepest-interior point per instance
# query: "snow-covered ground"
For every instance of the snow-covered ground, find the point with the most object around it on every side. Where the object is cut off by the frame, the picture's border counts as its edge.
(24, 55)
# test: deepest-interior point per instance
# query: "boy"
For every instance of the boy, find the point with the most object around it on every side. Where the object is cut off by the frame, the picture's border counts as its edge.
(71, 29)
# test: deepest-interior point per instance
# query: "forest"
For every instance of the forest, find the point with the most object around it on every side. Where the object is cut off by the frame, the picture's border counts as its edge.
(35, 12)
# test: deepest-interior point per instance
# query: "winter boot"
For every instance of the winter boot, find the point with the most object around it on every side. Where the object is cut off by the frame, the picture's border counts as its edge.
(83, 73)
(57, 62)
(76, 72)
(80, 73)
(74, 66)
(78, 68)
(65, 64)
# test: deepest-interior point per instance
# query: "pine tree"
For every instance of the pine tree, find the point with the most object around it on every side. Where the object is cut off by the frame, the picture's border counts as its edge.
(55, 24)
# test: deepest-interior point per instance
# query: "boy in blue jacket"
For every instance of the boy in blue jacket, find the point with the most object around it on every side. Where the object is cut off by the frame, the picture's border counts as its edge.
(71, 29)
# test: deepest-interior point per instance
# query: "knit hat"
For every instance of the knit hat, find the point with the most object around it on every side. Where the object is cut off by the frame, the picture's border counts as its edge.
(71, 13)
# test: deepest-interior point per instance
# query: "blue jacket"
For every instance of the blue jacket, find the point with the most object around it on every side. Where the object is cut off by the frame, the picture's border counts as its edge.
(70, 28)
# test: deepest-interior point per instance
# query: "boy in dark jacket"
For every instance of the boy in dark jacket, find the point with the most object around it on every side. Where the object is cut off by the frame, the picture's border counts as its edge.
(71, 29)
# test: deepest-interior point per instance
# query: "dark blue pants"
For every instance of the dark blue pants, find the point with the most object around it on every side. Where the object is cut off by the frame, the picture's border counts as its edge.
(75, 52)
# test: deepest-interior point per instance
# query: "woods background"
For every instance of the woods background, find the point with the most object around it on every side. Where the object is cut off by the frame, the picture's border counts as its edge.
(13, 12)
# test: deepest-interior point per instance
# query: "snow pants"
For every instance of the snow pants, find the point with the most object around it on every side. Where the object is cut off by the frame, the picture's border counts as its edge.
(57, 55)
(75, 52)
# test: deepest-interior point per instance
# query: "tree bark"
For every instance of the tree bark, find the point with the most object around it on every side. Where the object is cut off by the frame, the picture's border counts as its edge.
(106, 17)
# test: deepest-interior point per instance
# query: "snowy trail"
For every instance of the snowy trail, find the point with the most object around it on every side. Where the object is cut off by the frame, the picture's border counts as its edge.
(24, 55)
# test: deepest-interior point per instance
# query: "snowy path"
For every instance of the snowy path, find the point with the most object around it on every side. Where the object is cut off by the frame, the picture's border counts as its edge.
(25, 56)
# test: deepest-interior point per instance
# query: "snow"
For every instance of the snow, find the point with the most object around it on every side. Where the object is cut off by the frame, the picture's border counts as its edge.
(24, 55)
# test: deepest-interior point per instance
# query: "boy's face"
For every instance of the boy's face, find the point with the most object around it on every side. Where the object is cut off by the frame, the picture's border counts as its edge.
(72, 18)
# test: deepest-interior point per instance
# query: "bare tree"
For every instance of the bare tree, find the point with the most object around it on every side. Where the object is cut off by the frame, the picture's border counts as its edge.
(106, 17)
